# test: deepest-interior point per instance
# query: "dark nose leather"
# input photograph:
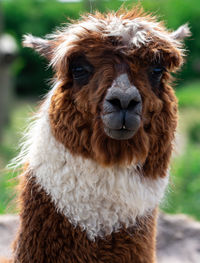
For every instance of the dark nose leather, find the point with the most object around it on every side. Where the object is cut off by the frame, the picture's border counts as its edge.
(122, 109)
(122, 95)
(124, 101)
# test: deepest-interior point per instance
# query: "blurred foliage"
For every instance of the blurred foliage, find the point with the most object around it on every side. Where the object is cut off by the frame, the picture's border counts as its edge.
(189, 95)
(195, 133)
(21, 111)
(184, 195)
(8, 193)
(40, 17)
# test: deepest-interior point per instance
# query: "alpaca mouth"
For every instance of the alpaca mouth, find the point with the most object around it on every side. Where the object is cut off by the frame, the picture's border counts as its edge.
(120, 134)
(121, 126)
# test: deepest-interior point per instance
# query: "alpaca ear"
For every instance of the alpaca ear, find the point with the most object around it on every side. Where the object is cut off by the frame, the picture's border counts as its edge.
(181, 33)
(43, 46)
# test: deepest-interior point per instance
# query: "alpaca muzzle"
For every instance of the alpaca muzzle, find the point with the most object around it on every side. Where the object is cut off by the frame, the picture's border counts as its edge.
(122, 109)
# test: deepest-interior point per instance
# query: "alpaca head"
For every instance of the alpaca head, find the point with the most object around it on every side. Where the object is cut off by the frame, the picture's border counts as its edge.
(113, 102)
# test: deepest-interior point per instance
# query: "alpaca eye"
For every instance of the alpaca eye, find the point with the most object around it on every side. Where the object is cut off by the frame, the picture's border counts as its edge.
(158, 70)
(80, 72)
(157, 73)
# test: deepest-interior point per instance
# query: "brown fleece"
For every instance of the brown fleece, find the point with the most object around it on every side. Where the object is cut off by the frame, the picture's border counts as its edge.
(75, 112)
(46, 236)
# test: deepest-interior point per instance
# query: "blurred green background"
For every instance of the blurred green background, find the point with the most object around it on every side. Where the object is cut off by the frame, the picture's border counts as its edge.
(30, 81)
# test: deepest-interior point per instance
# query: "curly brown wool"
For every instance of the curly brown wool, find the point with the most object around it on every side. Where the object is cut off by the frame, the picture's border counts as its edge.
(77, 112)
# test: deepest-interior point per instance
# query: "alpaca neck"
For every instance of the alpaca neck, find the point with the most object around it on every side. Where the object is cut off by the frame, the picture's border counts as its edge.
(99, 200)
(47, 236)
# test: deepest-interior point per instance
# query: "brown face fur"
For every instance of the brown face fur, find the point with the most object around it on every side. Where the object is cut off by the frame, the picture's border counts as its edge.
(76, 110)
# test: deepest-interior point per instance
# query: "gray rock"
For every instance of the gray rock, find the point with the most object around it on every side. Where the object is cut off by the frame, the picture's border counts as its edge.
(8, 229)
(178, 239)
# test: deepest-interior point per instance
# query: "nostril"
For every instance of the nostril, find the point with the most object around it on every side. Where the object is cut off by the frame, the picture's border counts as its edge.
(132, 104)
(126, 105)
(115, 102)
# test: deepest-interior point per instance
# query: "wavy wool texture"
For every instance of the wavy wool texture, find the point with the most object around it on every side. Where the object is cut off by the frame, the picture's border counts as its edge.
(99, 200)
(46, 236)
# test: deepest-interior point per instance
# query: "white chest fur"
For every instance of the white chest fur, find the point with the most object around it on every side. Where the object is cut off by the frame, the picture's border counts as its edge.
(95, 198)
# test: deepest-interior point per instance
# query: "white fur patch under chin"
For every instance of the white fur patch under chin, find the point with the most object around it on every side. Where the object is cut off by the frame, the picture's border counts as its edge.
(97, 199)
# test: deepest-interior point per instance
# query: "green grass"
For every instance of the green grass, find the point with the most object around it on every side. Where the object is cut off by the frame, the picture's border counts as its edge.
(184, 193)
(8, 150)
(8, 192)
(20, 112)
(189, 95)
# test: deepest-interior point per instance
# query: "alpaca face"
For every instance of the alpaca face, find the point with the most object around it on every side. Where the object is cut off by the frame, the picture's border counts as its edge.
(114, 103)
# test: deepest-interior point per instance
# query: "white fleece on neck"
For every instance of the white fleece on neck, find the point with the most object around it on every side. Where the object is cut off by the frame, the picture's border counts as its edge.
(97, 199)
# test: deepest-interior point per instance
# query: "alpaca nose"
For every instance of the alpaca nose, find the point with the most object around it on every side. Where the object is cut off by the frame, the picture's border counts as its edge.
(124, 101)
(122, 109)
(122, 95)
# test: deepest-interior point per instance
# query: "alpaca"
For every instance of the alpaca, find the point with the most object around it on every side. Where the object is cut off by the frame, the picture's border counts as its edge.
(96, 156)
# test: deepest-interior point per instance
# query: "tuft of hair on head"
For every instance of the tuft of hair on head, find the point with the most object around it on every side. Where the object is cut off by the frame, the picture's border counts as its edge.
(182, 32)
(136, 11)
